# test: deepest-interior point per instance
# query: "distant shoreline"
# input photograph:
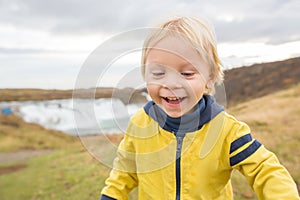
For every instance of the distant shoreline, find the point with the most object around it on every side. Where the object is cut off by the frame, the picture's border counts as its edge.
(126, 95)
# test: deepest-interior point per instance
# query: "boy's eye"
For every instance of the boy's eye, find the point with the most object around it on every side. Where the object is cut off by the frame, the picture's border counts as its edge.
(187, 74)
(158, 74)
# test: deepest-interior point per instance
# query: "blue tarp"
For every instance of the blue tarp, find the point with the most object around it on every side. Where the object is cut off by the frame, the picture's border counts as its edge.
(6, 111)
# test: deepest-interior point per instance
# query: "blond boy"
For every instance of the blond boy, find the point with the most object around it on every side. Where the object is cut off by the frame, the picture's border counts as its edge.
(182, 144)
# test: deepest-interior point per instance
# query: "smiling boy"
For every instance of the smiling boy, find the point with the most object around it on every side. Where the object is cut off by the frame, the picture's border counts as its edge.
(176, 78)
(182, 144)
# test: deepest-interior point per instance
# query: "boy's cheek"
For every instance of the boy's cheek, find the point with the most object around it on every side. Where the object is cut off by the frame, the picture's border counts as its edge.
(151, 87)
(151, 82)
(153, 90)
(148, 78)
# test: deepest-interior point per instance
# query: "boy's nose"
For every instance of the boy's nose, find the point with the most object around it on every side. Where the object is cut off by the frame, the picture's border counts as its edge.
(172, 81)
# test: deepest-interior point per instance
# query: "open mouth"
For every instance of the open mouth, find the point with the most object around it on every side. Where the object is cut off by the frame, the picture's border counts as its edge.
(174, 100)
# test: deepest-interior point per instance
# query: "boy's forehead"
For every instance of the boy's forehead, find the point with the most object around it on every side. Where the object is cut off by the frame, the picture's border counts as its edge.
(173, 43)
(179, 46)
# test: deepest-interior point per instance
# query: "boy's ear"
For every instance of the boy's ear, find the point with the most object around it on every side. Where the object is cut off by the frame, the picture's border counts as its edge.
(211, 81)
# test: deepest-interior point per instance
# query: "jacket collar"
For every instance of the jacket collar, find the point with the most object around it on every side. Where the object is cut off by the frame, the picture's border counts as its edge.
(207, 109)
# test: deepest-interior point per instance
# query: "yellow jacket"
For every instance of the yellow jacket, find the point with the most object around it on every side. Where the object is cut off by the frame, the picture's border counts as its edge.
(148, 159)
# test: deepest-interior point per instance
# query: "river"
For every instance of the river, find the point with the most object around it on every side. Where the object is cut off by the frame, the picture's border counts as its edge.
(76, 116)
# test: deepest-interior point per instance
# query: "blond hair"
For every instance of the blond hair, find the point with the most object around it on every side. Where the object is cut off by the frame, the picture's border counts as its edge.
(199, 33)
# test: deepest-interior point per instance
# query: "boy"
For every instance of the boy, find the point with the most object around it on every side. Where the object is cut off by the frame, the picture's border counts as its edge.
(183, 145)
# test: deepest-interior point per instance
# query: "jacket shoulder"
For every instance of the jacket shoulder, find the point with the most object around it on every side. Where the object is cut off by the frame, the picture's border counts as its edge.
(142, 125)
(235, 126)
(141, 118)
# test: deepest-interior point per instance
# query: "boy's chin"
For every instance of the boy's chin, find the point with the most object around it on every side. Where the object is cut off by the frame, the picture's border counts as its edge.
(175, 115)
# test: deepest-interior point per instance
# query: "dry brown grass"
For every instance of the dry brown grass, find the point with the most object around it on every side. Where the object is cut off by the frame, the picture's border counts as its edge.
(275, 121)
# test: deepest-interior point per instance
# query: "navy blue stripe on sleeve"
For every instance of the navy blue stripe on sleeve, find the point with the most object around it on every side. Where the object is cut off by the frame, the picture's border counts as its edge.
(240, 142)
(104, 197)
(245, 153)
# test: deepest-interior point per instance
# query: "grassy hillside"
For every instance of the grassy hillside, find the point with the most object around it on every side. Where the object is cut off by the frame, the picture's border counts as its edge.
(15, 134)
(274, 121)
(246, 83)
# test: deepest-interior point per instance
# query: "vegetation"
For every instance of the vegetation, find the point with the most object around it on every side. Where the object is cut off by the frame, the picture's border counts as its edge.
(15, 134)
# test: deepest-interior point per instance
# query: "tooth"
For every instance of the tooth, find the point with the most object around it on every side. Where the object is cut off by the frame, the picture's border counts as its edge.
(172, 98)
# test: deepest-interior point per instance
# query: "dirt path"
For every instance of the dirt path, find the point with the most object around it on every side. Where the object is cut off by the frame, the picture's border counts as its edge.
(21, 155)
(16, 157)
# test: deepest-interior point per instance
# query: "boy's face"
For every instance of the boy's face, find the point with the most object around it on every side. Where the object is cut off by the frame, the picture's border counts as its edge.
(176, 76)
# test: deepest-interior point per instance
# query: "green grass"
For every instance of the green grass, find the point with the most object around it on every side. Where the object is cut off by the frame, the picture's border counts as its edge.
(66, 174)
(71, 174)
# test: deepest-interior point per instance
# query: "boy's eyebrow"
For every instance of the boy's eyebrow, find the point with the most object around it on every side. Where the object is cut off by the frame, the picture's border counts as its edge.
(155, 61)
(187, 64)
(154, 64)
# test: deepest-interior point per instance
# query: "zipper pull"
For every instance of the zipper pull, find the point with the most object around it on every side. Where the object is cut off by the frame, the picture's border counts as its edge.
(179, 146)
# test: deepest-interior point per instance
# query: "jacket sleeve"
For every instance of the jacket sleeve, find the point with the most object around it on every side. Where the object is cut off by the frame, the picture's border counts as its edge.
(122, 178)
(104, 197)
(267, 177)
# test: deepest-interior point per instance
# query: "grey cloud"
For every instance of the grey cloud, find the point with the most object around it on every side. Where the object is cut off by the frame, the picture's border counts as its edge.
(273, 31)
(269, 21)
(274, 21)
(74, 17)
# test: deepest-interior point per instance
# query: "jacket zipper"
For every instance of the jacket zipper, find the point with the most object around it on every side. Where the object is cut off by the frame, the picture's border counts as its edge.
(179, 138)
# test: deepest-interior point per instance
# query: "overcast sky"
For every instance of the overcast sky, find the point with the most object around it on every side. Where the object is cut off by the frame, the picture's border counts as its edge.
(43, 44)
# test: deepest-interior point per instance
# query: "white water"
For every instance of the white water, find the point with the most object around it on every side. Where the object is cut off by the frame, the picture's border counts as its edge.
(78, 117)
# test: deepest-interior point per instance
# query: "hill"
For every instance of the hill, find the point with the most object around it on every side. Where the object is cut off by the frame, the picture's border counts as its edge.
(246, 83)
(15, 134)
